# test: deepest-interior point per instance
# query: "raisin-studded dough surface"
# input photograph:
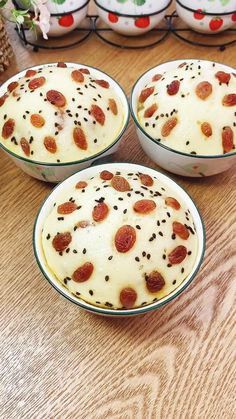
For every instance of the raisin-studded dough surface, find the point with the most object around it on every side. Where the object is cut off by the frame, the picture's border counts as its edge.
(95, 243)
(191, 111)
(60, 122)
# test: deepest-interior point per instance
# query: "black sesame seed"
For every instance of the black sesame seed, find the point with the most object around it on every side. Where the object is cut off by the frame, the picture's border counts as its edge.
(151, 239)
(138, 227)
(115, 207)
(90, 292)
(98, 302)
(163, 221)
(146, 124)
(95, 140)
(84, 251)
(143, 254)
(168, 214)
(108, 304)
(60, 253)
(31, 152)
(67, 250)
(85, 119)
(137, 259)
(120, 199)
(148, 256)
(125, 211)
(182, 270)
(160, 233)
(193, 152)
(174, 282)
(189, 253)
(77, 292)
(169, 265)
(98, 189)
(110, 257)
(65, 281)
(48, 236)
(144, 303)
(173, 236)
(60, 218)
(107, 278)
(164, 256)
(58, 160)
(75, 251)
(75, 228)
(187, 142)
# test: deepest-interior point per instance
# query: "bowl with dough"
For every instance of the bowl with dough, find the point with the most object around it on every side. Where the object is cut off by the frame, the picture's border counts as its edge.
(185, 116)
(119, 239)
(58, 118)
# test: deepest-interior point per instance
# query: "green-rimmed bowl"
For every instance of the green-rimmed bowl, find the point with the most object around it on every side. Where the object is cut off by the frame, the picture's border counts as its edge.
(47, 207)
(56, 172)
(175, 161)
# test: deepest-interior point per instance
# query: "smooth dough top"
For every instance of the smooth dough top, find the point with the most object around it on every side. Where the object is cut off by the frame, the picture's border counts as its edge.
(120, 240)
(191, 108)
(58, 114)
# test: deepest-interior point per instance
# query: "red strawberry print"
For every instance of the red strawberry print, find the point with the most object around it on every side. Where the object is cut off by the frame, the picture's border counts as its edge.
(216, 23)
(198, 14)
(142, 22)
(233, 17)
(66, 21)
(113, 18)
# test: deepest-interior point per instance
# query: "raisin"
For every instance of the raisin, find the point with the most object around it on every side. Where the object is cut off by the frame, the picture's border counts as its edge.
(203, 90)
(223, 77)
(25, 146)
(8, 128)
(154, 281)
(113, 106)
(12, 86)
(227, 139)
(106, 175)
(146, 180)
(2, 99)
(150, 111)
(206, 129)
(81, 184)
(56, 98)
(180, 230)
(61, 241)
(84, 70)
(172, 202)
(80, 138)
(229, 100)
(119, 183)
(145, 93)
(30, 73)
(61, 64)
(103, 83)
(128, 296)
(173, 87)
(177, 255)
(77, 76)
(36, 83)
(83, 273)
(37, 120)
(82, 224)
(157, 77)
(100, 211)
(66, 208)
(144, 206)
(50, 144)
(125, 238)
(168, 126)
(98, 114)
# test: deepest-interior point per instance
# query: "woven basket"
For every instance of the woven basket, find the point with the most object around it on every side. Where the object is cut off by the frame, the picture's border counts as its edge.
(6, 51)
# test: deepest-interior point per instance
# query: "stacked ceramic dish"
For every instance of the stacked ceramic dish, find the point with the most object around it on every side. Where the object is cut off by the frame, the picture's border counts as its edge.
(119, 239)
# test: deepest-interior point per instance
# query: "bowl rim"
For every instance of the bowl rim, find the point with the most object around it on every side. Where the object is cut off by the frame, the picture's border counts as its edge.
(139, 126)
(120, 312)
(86, 159)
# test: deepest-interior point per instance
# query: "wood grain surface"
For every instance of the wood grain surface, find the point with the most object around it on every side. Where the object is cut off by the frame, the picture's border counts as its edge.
(57, 361)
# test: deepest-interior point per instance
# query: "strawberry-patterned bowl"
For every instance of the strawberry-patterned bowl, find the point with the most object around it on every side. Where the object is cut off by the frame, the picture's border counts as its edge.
(209, 17)
(58, 118)
(185, 116)
(132, 17)
(65, 15)
(119, 239)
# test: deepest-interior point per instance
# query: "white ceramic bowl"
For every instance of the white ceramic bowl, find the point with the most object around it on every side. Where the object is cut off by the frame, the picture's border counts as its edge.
(172, 160)
(56, 172)
(218, 15)
(83, 175)
(65, 17)
(129, 18)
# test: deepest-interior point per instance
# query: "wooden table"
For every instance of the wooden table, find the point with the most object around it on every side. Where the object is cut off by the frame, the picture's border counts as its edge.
(58, 361)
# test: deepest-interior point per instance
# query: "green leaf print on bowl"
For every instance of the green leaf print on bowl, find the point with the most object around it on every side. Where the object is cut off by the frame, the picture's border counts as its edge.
(137, 2)
(59, 1)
